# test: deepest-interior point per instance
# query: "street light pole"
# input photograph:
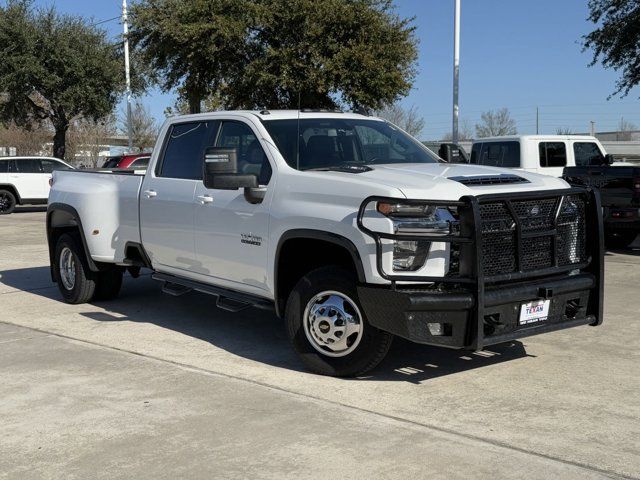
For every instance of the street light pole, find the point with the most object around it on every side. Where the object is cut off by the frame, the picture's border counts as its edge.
(456, 70)
(127, 75)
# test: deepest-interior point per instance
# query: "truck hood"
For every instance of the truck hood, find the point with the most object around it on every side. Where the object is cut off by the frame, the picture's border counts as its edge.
(451, 181)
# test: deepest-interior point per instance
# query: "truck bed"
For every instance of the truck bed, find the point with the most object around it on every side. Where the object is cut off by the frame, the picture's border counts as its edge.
(107, 202)
(616, 183)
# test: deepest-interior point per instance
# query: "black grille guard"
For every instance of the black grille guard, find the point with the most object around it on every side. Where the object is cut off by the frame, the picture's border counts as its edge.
(471, 275)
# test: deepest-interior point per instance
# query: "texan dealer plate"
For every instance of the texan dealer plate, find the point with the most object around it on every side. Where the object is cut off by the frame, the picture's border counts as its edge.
(532, 312)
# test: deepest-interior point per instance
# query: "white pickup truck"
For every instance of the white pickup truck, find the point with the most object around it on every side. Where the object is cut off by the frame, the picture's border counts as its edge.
(347, 227)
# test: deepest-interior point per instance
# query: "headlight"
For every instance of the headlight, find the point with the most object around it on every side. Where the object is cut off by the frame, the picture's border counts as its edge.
(416, 218)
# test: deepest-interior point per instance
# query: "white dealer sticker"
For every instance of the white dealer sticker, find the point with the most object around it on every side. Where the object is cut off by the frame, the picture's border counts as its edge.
(536, 311)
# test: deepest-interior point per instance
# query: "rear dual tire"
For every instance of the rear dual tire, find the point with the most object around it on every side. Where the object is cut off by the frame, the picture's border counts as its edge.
(76, 282)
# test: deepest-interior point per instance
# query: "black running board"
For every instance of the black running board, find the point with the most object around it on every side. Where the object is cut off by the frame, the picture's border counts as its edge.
(229, 300)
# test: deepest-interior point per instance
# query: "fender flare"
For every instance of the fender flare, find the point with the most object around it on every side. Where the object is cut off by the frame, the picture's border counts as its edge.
(12, 187)
(330, 237)
(63, 215)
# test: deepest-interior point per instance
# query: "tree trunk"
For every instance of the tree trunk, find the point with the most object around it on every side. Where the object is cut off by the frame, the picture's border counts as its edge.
(60, 140)
(195, 99)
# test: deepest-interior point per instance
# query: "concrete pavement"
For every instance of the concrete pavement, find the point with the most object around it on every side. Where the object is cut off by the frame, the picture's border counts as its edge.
(565, 404)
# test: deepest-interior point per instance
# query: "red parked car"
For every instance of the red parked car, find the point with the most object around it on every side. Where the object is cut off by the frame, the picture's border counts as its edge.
(123, 161)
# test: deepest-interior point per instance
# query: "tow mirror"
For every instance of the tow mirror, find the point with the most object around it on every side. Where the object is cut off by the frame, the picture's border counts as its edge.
(220, 170)
(452, 153)
(608, 159)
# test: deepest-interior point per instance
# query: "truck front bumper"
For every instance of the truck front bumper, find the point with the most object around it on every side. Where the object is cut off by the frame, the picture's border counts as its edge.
(453, 319)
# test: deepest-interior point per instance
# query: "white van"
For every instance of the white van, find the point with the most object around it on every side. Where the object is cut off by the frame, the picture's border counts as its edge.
(25, 180)
(546, 154)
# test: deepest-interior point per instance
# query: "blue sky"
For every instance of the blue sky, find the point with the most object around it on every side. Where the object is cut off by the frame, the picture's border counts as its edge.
(517, 54)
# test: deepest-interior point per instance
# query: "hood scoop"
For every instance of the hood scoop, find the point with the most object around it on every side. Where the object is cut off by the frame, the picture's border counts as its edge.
(482, 180)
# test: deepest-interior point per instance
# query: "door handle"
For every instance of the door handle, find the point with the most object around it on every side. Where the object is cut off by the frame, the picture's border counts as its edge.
(150, 193)
(205, 199)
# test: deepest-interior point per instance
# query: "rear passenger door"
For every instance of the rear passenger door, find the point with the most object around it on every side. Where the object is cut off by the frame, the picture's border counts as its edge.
(553, 158)
(167, 200)
(26, 175)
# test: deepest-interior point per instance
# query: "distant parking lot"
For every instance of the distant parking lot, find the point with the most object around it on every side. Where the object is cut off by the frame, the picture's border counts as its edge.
(153, 386)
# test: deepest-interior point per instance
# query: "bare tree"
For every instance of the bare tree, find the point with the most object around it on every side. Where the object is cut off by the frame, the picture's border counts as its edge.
(87, 138)
(29, 140)
(625, 130)
(407, 119)
(465, 133)
(144, 128)
(564, 131)
(495, 124)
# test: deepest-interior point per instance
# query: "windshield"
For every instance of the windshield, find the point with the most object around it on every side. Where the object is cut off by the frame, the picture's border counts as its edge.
(334, 143)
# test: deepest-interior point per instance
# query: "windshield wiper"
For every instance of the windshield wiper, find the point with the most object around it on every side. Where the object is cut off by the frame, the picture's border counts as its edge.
(343, 168)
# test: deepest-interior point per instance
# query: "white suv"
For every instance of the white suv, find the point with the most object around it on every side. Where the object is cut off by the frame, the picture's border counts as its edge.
(25, 180)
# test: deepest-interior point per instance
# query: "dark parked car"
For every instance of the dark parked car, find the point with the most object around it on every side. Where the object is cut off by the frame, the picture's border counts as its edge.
(620, 192)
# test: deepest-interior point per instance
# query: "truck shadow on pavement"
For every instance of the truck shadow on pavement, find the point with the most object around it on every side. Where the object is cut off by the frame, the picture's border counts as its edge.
(251, 333)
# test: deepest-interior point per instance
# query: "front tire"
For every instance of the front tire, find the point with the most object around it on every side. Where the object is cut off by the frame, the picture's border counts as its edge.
(75, 282)
(7, 202)
(328, 328)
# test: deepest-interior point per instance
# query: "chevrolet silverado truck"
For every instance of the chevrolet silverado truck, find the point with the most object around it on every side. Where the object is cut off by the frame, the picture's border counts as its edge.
(347, 227)
(619, 186)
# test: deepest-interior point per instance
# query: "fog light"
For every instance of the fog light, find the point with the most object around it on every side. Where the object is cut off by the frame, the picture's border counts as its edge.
(436, 329)
(410, 255)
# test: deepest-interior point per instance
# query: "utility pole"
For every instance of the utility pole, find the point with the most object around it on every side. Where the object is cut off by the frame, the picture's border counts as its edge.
(127, 75)
(593, 128)
(537, 121)
(456, 70)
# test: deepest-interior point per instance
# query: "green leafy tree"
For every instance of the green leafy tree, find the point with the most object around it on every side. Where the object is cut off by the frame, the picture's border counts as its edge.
(616, 40)
(326, 53)
(278, 53)
(191, 46)
(54, 67)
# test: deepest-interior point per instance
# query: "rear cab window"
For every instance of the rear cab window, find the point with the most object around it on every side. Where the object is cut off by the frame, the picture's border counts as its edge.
(552, 154)
(496, 154)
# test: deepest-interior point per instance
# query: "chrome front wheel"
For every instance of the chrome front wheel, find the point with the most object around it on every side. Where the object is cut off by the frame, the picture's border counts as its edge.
(333, 324)
(67, 267)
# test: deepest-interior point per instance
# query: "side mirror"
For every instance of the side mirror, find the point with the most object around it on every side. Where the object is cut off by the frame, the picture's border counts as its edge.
(608, 159)
(452, 153)
(220, 170)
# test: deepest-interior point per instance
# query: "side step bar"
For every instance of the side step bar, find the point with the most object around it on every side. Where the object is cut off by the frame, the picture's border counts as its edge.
(229, 300)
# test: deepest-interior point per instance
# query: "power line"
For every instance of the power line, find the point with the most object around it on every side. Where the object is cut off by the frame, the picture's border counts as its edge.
(105, 21)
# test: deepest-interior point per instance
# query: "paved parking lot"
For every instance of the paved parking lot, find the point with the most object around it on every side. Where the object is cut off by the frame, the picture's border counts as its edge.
(152, 386)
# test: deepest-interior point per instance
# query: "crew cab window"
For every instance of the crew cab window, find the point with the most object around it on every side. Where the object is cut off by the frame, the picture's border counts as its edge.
(587, 154)
(552, 154)
(184, 150)
(4, 166)
(48, 166)
(251, 157)
(496, 154)
(28, 165)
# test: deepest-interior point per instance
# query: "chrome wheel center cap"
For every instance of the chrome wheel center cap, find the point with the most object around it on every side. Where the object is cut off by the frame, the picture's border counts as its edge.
(333, 324)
